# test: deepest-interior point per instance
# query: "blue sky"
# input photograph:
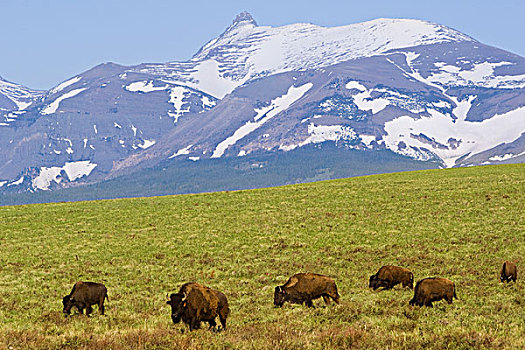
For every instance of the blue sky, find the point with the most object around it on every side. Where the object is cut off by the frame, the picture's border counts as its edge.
(44, 42)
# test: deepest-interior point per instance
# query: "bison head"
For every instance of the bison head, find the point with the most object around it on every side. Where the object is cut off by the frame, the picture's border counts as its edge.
(279, 296)
(373, 282)
(178, 306)
(68, 303)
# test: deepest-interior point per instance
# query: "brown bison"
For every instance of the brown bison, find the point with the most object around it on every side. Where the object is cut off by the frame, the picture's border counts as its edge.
(388, 276)
(195, 303)
(83, 295)
(305, 287)
(433, 289)
(509, 272)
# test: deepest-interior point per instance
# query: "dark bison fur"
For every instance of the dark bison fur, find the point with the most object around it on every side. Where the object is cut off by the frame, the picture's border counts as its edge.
(195, 303)
(388, 276)
(433, 289)
(509, 272)
(305, 287)
(83, 295)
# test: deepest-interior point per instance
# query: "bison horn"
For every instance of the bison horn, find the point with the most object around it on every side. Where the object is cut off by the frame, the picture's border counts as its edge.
(184, 296)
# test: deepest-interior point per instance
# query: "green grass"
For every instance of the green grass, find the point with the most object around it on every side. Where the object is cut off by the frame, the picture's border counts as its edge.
(459, 224)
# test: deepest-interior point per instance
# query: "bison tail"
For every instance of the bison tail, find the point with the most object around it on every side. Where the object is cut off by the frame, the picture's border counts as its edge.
(106, 297)
(411, 282)
(455, 296)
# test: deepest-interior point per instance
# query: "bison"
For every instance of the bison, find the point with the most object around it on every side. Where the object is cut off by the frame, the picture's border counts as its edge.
(388, 276)
(305, 287)
(85, 294)
(195, 303)
(509, 272)
(433, 289)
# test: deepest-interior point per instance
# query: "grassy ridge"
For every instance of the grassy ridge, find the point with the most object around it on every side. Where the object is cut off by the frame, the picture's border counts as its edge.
(460, 224)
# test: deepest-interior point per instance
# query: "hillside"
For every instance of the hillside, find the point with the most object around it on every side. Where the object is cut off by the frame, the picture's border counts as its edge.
(455, 223)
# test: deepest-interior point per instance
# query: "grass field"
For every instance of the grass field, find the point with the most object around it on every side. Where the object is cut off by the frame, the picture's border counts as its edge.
(459, 224)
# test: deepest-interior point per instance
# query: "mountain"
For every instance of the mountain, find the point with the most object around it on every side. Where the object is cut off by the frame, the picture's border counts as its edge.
(407, 87)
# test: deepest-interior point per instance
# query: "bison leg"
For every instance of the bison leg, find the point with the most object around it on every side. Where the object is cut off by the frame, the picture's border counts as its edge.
(89, 310)
(223, 321)
(195, 324)
(212, 323)
(309, 303)
(326, 299)
(101, 306)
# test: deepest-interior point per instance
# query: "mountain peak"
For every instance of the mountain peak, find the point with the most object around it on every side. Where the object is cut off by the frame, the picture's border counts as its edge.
(244, 16)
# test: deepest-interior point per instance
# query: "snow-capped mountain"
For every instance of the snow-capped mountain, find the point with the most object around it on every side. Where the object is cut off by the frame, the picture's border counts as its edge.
(411, 87)
(246, 51)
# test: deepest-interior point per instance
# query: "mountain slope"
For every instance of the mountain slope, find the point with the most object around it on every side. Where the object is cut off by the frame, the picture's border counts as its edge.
(394, 101)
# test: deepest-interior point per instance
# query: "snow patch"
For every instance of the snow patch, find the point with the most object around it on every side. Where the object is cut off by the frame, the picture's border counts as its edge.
(52, 107)
(264, 114)
(177, 99)
(180, 152)
(323, 133)
(355, 85)
(367, 139)
(64, 85)
(207, 103)
(506, 156)
(208, 78)
(147, 144)
(481, 75)
(144, 86)
(73, 170)
(17, 182)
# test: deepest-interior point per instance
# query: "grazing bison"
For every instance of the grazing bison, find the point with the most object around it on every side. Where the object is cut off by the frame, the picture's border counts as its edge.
(509, 272)
(83, 295)
(195, 303)
(388, 276)
(304, 287)
(433, 289)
